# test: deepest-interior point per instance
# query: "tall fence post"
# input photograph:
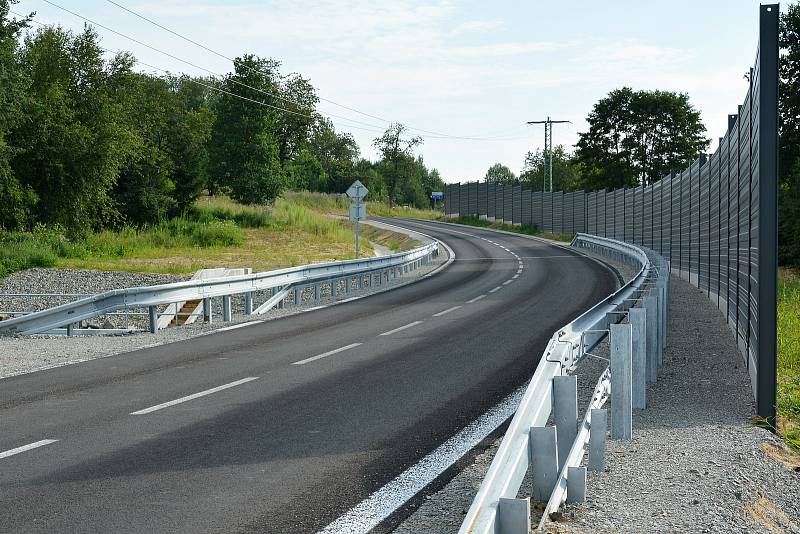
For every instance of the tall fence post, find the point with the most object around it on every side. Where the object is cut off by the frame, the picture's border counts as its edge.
(621, 386)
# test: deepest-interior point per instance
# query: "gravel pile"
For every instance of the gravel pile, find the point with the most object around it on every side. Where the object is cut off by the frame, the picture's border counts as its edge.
(25, 354)
(696, 462)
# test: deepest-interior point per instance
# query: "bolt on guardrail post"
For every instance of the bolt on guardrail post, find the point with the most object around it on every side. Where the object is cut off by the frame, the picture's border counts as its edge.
(153, 317)
(298, 296)
(248, 303)
(226, 308)
(621, 382)
(651, 328)
(576, 485)
(543, 452)
(514, 516)
(565, 408)
(207, 315)
(597, 439)
(638, 320)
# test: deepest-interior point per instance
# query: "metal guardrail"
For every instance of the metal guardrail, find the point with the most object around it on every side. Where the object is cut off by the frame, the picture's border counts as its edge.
(279, 282)
(555, 453)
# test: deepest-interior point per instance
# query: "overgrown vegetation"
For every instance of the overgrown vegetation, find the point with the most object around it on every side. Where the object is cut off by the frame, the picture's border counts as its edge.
(788, 408)
(527, 230)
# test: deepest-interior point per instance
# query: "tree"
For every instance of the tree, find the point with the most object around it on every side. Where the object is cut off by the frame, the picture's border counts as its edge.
(789, 156)
(17, 200)
(565, 172)
(337, 154)
(500, 174)
(396, 152)
(292, 127)
(636, 137)
(245, 152)
(73, 141)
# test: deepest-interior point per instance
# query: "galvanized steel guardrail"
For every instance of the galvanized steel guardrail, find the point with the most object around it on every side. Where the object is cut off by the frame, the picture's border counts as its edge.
(635, 316)
(279, 282)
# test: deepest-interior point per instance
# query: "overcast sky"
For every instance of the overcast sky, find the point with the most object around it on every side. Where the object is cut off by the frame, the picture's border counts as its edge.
(466, 69)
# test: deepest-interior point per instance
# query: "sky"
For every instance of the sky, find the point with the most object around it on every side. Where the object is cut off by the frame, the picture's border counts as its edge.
(466, 69)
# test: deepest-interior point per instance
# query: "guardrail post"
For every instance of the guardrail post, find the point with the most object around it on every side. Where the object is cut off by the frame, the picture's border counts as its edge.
(298, 296)
(207, 314)
(347, 283)
(226, 308)
(334, 287)
(316, 291)
(543, 452)
(69, 329)
(638, 320)
(248, 303)
(565, 408)
(153, 316)
(361, 281)
(597, 439)
(576, 485)
(621, 382)
(651, 328)
(514, 516)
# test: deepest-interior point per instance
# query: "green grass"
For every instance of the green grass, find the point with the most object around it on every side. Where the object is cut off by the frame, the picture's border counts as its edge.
(527, 230)
(788, 407)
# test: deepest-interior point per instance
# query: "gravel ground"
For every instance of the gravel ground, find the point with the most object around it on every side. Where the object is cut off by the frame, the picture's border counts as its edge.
(20, 354)
(696, 463)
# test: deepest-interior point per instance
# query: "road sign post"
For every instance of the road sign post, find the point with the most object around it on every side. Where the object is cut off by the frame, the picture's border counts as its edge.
(358, 211)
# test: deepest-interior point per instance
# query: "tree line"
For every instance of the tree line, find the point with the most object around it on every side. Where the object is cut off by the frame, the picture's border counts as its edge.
(88, 143)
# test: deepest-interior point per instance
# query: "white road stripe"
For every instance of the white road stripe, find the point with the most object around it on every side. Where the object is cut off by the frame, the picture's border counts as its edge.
(409, 325)
(194, 396)
(29, 446)
(454, 308)
(498, 288)
(507, 282)
(476, 299)
(326, 354)
(234, 327)
(515, 276)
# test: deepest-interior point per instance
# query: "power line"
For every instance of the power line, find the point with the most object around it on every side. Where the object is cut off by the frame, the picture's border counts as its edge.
(220, 54)
(369, 127)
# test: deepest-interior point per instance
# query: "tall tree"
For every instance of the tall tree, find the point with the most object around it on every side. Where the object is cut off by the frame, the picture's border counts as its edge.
(500, 174)
(396, 151)
(789, 157)
(636, 137)
(336, 152)
(73, 141)
(17, 199)
(245, 152)
(535, 167)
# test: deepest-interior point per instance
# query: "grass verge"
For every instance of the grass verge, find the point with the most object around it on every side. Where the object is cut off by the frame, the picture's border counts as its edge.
(788, 407)
(527, 230)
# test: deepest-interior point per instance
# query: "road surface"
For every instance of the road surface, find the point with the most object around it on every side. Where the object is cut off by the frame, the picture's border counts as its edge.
(285, 425)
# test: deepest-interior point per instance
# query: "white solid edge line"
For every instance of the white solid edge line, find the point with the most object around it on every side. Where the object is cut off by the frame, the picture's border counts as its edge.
(454, 308)
(234, 327)
(326, 354)
(381, 504)
(507, 282)
(194, 396)
(515, 276)
(498, 288)
(29, 446)
(409, 325)
(476, 299)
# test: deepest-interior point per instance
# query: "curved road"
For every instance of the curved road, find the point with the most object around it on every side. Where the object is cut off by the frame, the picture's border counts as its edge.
(318, 410)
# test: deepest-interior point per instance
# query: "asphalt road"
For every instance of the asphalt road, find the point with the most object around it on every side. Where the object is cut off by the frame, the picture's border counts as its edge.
(302, 432)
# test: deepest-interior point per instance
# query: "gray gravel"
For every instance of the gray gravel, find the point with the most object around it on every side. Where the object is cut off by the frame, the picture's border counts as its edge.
(20, 354)
(696, 463)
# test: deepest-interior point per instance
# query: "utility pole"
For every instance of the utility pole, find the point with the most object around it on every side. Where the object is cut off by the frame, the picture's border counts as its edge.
(548, 150)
